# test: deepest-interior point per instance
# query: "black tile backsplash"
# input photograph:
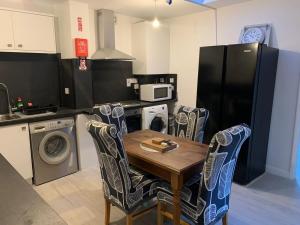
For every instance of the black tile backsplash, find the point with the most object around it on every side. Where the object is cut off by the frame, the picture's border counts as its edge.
(42, 79)
(109, 81)
(33, 77)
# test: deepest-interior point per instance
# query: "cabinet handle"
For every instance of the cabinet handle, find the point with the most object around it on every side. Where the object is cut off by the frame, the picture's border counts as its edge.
(20, 45)
(9, 45)
(23, 128)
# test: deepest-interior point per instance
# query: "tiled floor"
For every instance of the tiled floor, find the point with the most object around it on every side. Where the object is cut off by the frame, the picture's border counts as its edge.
(271, 200)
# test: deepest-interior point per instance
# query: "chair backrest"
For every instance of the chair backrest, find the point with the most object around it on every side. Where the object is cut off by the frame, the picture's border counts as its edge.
(114, 166)
(112, 114)
(218, 171)
(190, 123)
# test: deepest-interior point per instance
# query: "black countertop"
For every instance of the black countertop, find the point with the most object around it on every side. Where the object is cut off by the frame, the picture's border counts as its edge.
(61, 113)
(134, 104)
(19, 203)
(66, 112)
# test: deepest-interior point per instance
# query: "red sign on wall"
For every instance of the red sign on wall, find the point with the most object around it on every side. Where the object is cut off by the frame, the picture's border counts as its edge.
(81, 47)
(79, 24)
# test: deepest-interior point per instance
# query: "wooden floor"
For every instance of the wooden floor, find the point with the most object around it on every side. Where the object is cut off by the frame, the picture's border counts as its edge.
(78, 199)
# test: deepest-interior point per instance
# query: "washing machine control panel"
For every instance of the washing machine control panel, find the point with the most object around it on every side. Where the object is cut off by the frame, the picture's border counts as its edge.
(50, 125)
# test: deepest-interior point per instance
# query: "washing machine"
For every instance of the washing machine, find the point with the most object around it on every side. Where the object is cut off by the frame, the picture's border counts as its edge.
(155, 118)
(53, 148)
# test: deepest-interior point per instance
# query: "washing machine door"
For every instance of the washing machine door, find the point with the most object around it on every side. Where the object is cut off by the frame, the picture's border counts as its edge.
(158, 123)
(55, 147)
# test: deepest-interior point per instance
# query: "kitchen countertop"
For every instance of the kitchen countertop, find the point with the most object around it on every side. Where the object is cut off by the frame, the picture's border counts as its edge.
(19, 203)
(141, 104)
(66, 112)
(61, 113)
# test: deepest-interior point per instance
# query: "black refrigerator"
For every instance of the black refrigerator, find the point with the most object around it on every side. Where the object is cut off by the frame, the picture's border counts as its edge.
(236, 84)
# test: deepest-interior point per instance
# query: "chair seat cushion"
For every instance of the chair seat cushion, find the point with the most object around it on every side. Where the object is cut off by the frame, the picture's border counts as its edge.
(191, 206)
(141, 179)
(140, 188)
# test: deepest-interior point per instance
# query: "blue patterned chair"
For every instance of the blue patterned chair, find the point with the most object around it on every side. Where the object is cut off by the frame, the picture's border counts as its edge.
(205, 197)
(123, 186)
(190, 123)
(112, 114)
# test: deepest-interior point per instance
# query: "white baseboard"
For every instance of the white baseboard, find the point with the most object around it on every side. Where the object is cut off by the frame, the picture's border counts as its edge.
(278, 172)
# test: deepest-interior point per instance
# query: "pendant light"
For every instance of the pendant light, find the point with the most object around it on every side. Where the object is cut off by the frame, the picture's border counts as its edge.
(155, 22)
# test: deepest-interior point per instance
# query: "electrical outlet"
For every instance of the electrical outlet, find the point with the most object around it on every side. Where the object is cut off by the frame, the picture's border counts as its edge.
(134, 80)
(171, 80)
(136, 86)
(128, 82)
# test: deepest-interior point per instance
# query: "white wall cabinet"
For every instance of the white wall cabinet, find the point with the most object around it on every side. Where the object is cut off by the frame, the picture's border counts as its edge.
(151, 48)
(27, 32)
(34, 32)
(15, 147)
(6, 37)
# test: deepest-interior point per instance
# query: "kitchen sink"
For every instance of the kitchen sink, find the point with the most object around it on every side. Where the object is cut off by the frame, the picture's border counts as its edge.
(8, 117)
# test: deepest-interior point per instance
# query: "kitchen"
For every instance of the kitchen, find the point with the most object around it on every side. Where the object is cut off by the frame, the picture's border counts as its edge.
(78, 55)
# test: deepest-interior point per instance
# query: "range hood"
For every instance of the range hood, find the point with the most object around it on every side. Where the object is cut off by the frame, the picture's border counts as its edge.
(105, 37)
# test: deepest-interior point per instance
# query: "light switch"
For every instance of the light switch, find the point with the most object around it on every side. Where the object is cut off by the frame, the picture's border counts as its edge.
(67, 91)
(128, 82)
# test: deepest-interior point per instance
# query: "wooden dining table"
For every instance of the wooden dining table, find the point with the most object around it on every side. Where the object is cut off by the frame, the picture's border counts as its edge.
(175, 166)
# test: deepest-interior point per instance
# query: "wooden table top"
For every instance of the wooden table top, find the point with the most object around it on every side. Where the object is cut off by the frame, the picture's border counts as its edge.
(187, 155)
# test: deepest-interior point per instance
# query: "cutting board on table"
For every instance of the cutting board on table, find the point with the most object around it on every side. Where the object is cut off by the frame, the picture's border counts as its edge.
(157, 144)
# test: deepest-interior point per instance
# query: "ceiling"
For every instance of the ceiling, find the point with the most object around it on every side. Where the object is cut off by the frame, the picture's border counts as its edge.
(145, 8)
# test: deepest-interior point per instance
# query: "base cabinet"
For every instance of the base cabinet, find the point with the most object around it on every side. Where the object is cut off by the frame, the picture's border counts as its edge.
(15, 147)
(87, 153)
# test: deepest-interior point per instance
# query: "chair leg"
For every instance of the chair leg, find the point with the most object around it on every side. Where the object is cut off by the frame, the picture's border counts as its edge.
(225, 220)
(160, 208)
(107, 212)
(129, 219)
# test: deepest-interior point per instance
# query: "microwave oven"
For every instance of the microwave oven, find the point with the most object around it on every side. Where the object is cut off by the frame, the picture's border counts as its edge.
(155, 92)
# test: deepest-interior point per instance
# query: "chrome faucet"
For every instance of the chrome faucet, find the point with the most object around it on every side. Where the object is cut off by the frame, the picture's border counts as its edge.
(8, 101)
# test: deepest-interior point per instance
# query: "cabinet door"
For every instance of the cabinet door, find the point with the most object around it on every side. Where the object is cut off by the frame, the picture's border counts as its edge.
(158, 49)
(6, 37)
(34, 32)
(210, 87)
(86, 148)
(15, 147)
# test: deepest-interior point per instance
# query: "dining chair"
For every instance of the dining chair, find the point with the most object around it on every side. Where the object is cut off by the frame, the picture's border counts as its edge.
(124, 187)
(112, 114)
(205, 197)
(190, 123)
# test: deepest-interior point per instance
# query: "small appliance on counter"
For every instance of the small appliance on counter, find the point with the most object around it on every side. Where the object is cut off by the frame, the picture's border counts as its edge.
(156, 92)
(33, 110)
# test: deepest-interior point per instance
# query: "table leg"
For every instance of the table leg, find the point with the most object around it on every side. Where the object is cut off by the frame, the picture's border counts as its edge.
(176, 182)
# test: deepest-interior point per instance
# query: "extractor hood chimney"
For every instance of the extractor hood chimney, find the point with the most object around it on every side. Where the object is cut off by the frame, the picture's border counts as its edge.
(105, 37)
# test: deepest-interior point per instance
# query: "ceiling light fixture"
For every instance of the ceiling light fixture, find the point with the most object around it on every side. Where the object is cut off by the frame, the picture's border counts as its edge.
(155, 22)
(169, 2)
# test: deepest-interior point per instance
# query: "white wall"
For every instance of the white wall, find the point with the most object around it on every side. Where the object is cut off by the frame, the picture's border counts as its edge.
(187, 35)
(45, 6)
(190, 32)
(123, 32)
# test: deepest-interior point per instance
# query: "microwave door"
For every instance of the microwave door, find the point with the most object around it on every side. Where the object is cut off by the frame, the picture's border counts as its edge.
(161, 93)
